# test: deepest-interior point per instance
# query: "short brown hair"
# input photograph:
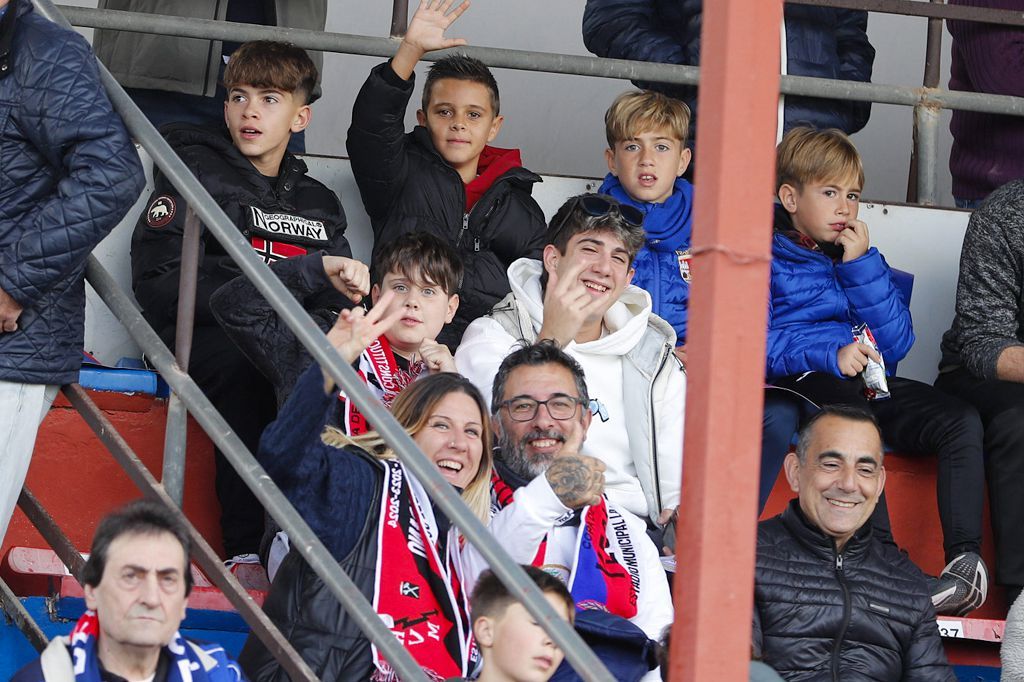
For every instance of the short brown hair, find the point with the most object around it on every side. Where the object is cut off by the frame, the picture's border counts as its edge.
(462, 68)
(423, 254)
(640, 111)
(270, 64)
(491, 597)
(571, 219)
(806, 155)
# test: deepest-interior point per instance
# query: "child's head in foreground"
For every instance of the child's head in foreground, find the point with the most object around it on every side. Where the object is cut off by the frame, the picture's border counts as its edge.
(460, 109)
(647, 149)
(269, 86)
(819, 177)
(515, 647)
(425, 274)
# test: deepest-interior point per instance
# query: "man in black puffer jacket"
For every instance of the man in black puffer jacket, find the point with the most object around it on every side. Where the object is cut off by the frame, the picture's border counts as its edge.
(822, 42)
(442, 177)
(68, 174)
(266, 193)
(831, 602)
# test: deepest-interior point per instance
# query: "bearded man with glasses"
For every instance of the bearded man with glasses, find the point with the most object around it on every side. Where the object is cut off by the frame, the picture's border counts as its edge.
(550, 510)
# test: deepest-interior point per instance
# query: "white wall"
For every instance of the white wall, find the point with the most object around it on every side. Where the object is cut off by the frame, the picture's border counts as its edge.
(557, 120)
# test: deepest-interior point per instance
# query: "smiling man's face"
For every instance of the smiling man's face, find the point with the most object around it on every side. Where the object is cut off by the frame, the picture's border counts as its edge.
(841, 478)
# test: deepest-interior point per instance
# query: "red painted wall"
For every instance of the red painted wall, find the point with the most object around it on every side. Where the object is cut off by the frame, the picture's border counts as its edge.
(78, 480)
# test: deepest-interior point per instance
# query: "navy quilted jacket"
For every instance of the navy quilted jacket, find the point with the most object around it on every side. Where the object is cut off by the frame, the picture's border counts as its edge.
(814, 304)
(859, 615)
(68, 174)
(820, 41)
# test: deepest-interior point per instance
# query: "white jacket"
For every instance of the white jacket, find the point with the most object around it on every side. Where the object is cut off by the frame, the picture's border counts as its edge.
(646, 415)
(535, 514)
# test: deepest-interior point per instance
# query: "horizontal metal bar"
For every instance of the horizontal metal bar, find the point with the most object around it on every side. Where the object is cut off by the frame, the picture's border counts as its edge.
(258, 621)
(15, 610)
(542, 61)
(218, 224)
(917, 8)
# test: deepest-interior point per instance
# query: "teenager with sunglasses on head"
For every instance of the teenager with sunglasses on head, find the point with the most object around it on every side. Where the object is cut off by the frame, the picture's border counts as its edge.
(579, 295)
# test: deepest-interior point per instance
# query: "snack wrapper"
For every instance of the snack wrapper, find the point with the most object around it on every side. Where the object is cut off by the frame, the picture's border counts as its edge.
(873, 375)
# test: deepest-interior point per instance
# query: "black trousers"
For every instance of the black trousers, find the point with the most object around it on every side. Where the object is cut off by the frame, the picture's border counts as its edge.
(246, 400)
(1001, 406)
(919, 419)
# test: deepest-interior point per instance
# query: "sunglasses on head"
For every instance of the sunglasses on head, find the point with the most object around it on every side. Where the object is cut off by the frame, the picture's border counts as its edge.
(601, 205)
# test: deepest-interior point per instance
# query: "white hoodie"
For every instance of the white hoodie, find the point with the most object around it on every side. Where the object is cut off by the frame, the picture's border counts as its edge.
(624, 355)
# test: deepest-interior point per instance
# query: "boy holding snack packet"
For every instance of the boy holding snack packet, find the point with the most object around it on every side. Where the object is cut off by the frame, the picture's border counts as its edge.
(835, 317)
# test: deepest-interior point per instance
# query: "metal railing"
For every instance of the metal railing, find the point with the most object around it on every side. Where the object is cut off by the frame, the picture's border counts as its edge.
(191, 397)
(926, 101)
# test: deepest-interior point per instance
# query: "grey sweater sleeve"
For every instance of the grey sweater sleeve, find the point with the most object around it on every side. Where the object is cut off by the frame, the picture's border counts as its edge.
(989, 302)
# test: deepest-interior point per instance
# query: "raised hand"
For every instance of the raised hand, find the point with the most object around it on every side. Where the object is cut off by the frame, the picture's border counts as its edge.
(426, 33)
(356, 329)
(853, 358)
(854, 240)
(577, 480)
(567, 303)
(436, 356)
(349, 276)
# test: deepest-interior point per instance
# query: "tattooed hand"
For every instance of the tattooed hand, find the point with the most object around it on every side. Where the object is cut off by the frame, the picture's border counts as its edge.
(578, 480)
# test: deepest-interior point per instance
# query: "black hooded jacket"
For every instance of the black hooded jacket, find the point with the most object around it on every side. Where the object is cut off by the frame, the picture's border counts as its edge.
(282, 217)
(406, 186)
(861, 614)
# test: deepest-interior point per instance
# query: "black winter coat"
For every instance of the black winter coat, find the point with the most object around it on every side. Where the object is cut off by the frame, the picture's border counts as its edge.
(407, 186)
(282, 217)
(68, 175)
(822, 42)
(862, 614)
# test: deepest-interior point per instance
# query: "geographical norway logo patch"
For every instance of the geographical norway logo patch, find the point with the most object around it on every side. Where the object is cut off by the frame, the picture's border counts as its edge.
(684, 264)
(161, 211)
(271, 251)
(287, 227)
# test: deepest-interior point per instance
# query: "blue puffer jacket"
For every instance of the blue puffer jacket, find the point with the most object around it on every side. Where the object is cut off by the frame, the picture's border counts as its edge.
(663, 265)
(68, 174)
(820, 42)
(814, 304)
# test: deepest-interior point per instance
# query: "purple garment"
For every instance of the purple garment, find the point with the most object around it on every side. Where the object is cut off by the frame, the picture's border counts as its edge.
(988, 150)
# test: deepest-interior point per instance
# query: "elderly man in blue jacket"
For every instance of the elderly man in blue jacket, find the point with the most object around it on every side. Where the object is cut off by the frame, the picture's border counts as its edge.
(69, 174)
(821, 42)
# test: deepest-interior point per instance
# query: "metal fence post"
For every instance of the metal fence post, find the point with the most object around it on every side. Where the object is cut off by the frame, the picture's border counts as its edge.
(926, 123)
(176, 430)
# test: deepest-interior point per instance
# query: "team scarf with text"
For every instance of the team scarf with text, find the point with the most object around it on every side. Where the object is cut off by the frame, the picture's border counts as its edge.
(419, 597)
(86, 661)
(605, 572)
(379, 369)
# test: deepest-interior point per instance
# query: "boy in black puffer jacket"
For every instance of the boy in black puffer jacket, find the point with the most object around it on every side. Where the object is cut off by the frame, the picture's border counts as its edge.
(442, 177)
(283, 213)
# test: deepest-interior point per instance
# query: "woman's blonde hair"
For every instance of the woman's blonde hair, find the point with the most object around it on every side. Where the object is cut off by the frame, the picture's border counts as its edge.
(412, 408)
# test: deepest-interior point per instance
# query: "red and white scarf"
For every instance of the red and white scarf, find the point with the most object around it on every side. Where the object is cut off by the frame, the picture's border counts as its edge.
(417, 595)
(605, 573)
(379, 369)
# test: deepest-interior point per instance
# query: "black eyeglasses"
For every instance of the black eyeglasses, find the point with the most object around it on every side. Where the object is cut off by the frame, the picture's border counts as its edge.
(599, 206)
(560, 407)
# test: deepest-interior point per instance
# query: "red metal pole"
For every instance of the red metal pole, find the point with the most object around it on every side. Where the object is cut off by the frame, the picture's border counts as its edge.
(735, 172)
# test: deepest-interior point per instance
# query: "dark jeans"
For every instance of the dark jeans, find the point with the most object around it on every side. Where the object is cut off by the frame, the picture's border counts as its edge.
(782, 412)
(1001, 406)
(246, 401)
(921, 420)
